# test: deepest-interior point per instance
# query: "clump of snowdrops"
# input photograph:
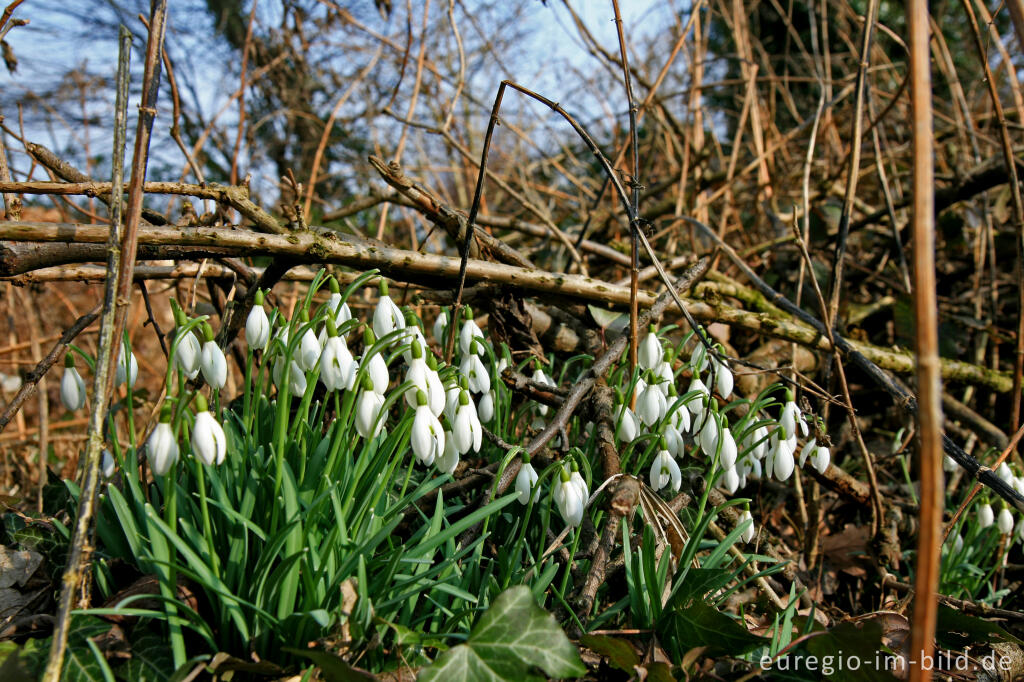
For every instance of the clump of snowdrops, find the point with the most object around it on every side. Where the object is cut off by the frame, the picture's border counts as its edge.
(313, 499)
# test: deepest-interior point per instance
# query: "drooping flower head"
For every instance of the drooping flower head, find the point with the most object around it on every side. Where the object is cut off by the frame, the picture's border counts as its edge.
(72, 386)
(257, 325)
(162, 448)
(213, 363)
(208, 441)
(525, 480)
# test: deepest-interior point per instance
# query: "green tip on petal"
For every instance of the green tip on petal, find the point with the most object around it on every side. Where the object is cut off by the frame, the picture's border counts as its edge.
(468, 312)
(431, 362)
(463, 383)
(663, 442)
(201, 404)
(651, 328)
(565, 475)
(463, 397)
(526, 458)
(333, 285)
(575, 466)
(332, 329)
(417, 349)
(382, 287)
(258, 298)
(69, 360)
(369, 338)
(421, 398)
(207, 332)
(304, 316)
(789, 395)
(672, 390)
(367, 383)
(713, 404)
(410, 319)
(165, 414)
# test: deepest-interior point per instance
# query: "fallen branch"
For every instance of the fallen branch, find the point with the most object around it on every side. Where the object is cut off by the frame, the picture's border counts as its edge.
(430, 269)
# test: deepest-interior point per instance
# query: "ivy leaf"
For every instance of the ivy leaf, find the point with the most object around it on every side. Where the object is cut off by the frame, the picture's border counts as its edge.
(82, 662)
(151, 660)
(688, 621)
(514, 637)
(956, 630)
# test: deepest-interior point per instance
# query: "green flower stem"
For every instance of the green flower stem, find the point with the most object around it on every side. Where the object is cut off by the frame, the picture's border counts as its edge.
(204, 509)
(247, 398)
(169, 589)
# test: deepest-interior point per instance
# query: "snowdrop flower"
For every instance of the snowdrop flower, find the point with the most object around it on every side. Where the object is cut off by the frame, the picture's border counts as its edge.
(257, 325)
(650, 352)
(576, 478)
(791, 417)
(387, 316)
(541, 378)
(674, 442)
(699, 358)
(187, 353)
(337, 366)
(162, 448)
(525, 480)
(783, 461)
(696, 404)
(727, 454)
(748, 534)
(72, 387)
(731, 480)
(820, 455)
(1003, 471)
(756, 442)
(452, 397)
(651, 405)
(710, 433)
(665, 472)
(949, 465)
(755, 468)
(127, 366)
(440, 328)
(986, 517)
(296, 377)
(435, 389)
(208, 441)
(466, 429)
(427, 438)
(368, 409)
(1005, 520)
(476, 374)
(449, 459)
(485, 408)
(375, 366)
(337, 311)
(723, 378)
(680, 416)
(628, 424)
(469, 333)
(308, 351)
(416, 374)
(107, 465)
(958, 543)
(213, 363)
(666, 377)
(568, 499)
